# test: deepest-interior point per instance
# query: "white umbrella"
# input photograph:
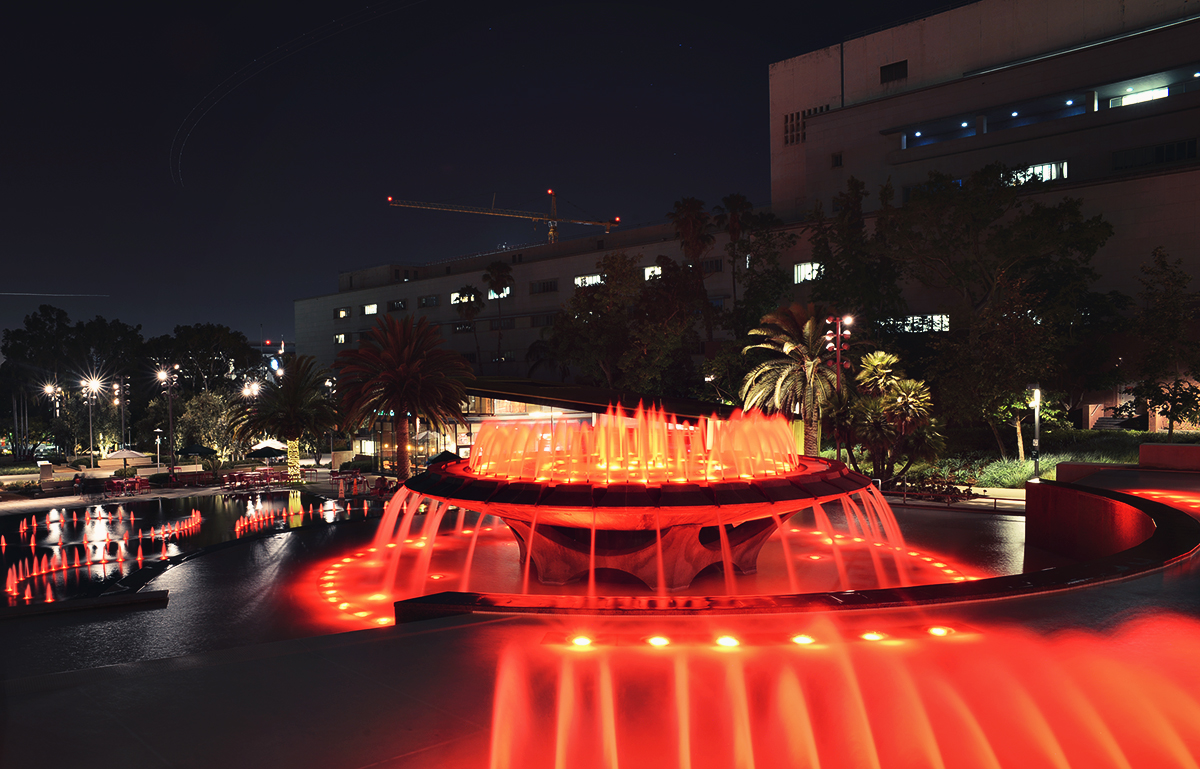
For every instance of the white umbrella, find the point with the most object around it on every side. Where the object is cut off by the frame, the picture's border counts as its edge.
(274, 444)
(126, 455)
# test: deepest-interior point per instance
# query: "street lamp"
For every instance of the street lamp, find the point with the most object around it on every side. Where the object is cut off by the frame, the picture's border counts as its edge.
(91, 386)
(158, 448)
(250, 390)
(1036, 403)
(168, 378)
(835, 339)
(54, 393)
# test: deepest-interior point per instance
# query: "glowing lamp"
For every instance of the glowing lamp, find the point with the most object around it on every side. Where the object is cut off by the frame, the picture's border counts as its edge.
(873, 636)
(728, 641)
(939, 631)
(389, 198)
(549, 192)
(803, 640)
(658, 641)
(581, 640)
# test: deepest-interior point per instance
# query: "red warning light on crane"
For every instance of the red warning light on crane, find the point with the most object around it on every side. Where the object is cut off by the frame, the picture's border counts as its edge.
(549, 192)
(389, 198)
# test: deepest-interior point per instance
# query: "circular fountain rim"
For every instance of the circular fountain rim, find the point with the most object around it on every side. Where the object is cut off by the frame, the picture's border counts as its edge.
(1176, 536)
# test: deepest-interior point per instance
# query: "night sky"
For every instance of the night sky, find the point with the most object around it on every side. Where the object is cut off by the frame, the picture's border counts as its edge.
(301, 117)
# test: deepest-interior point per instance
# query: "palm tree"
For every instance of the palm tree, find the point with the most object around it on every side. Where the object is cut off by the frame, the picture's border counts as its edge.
(498, 278)
(800, 379)
(692, 221)
(399, 368)
(288, 407)
(470, 304)
(891, 417)
(733, 215)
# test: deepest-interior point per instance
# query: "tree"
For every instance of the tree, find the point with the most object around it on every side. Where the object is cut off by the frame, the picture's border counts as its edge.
(400, 368)
(498, 279)
(626, 332)
(799, 378)
(470, 305)
(859, 274)
(287, 407)
(692, 222)
(732, 216)
(891, 417)
(210, 356)
(764, 282)
(205, 419)
(1168, 354)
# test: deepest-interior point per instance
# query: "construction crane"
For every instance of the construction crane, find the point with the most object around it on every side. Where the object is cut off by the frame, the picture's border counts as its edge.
(551, 219)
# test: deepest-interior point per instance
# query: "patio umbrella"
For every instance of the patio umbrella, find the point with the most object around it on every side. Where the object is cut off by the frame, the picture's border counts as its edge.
(196, 450)
(267, 452)
(271, 443)
(125, 455)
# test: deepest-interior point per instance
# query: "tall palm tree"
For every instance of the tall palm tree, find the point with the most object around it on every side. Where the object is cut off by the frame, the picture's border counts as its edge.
(400, 368)
(800, 378)
(288, 407)
(892, 415)
(470, 304)
(497, 278)
(733, 215)
(692, 221)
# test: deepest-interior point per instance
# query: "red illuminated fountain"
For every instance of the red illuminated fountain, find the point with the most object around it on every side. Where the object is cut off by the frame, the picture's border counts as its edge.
(643, 494)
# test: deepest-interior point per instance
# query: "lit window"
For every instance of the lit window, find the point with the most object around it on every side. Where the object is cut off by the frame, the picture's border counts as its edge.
(339, 338)
(493, 295)
(1042, 172)
(806, 271)
(457, 298)
(341, 313)
(653, 271)
(395, 305)
(583, 281)
(427, 301)
(370, 309)
(1139, 97)
(917, 324)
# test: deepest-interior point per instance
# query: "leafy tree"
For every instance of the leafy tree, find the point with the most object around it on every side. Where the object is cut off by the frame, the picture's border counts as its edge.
(498, 278)
(764, 282)
(400, 368)
(210, 356)
(860, 275)
(1169, 355)
(288, 407)
(732, 216)
(470, 305)
(205, 419)
(692, 222)
(799, 377)
(626, 332)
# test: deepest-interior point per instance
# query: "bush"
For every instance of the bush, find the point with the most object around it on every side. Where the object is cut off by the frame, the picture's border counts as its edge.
(125, 472)
(26, 488)
(358, 464)
(159, 479)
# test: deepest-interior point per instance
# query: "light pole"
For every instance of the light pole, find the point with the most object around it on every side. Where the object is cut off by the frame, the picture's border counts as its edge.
(167, 378)
(158, 448)
(835, 340)
(1036, 403)
(119, 401)
(53, 392)
(91, 386)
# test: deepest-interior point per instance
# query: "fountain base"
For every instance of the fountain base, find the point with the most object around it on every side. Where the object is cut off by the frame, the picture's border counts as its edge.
(678, 553)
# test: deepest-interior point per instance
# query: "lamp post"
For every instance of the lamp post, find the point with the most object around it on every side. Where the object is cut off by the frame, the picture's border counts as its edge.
(1036, 403)
(158, 448)
(54, 393)
(91, 386)
(835, 339)
(168, 378)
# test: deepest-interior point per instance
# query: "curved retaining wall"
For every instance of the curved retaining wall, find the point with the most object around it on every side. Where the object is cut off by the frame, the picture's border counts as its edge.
(1083, 526)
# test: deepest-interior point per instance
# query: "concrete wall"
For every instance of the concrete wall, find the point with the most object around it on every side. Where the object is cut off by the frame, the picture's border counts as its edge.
(1079, 525)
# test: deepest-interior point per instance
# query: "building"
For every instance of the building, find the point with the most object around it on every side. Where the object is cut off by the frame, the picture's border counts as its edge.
(1097, 99)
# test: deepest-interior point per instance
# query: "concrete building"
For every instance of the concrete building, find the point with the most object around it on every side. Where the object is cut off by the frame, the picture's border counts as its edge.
(1100, 99)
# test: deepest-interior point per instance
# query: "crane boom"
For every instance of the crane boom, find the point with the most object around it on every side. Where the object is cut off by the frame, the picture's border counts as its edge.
(552, 220)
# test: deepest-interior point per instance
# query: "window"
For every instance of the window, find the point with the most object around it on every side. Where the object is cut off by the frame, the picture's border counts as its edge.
(653, 271)
(583, 281)
(428, 301)
(470, 356)
(465, 327)
(708, 266)
(1159, 154)
(339, 338)
(806, 271)
(361, 335)
(541, 321)
(341, 313)
(396, 275)
(370, 309)
(493, 295)
(1139, 97)
(793, 128)
(917, 324)
(503, 323)
(457, 298)
(836, 160)
(717, 302)
(543, 286)
(395, 305)
(503, 356)
(890, 73)
(1042, 172)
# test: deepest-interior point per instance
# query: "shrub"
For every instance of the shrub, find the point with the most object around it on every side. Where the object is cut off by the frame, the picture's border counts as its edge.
(125, 472)
(358, 464)
(159, 479)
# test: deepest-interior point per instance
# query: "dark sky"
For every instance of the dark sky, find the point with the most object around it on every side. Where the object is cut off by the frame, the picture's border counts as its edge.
(621, 107)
